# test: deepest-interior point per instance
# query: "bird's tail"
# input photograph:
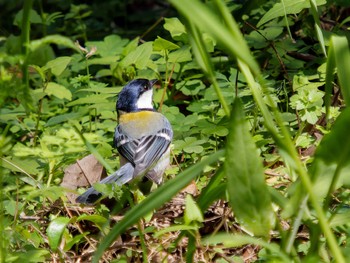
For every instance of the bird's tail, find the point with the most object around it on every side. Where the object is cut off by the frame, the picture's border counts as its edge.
(122, 176)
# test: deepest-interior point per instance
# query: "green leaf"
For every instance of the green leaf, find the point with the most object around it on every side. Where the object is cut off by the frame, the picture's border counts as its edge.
(181, 55)
(340, 219)
(58, 91)
(57, 65)
(111, 45)
(30, 255)
(176, 28)
(192, 212)
(52, 39)
(229, 241)
(34, 18)
(191, 87)
(91, 99)
(287, 7)
(331, 165)
(66, 117)
(161, 44)
(190, 145)
(341, 51)
(248, 193)
(138, 57)
(55, 231)
(154, 201)
(98, 220)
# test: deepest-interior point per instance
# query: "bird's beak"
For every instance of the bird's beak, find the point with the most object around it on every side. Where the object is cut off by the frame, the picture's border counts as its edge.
(153, 81)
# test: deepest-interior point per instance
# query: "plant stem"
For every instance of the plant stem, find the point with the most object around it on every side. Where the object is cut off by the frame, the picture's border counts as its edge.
(25, 38)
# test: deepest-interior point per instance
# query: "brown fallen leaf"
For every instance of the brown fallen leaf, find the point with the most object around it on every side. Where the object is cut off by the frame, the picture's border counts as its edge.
(84, 172)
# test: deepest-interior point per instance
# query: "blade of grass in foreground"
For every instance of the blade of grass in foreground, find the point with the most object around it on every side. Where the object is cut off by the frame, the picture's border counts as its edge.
(153, 201)
(246, 187)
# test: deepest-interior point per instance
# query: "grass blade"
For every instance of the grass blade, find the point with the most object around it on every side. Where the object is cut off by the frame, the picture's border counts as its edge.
(342, 57)
(248, 193)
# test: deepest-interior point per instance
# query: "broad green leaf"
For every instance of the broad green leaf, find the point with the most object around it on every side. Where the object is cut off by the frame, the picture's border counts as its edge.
(215, 129)
(192, 212)
(176, 29)
(154, 201)
(181, 55)
(98, 220)
(55, 231)
(190, 145)
(58, 91)
(65, 117)
(191, 87)
(111, 45)
(57, 65)
(52, 39)
(161, 44)
(287, 7)
(12, 207)
(133, 44)
(248, 193)
(34, 18)
(139, 57)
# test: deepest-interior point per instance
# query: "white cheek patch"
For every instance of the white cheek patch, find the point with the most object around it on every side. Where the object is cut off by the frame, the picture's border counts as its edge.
(145, 100)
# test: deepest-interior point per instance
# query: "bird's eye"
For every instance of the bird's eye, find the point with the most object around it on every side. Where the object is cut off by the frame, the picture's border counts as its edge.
(145, 87)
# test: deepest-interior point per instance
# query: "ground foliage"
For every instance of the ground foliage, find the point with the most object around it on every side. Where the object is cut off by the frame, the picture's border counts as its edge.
(258, 108)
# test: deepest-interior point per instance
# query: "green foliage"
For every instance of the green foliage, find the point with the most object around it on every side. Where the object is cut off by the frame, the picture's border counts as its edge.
(245, 178)
(286, 79)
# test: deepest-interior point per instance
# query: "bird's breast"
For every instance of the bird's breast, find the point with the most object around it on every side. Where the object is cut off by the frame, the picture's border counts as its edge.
(139, 124)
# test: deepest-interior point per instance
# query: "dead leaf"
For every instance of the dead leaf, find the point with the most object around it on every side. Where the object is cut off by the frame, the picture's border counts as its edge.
(84, 172)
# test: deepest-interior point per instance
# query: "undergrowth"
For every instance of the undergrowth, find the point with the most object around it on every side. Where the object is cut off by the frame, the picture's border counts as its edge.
(256, 93)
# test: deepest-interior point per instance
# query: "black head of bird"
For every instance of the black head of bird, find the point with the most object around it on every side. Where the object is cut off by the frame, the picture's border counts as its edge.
(136, 96)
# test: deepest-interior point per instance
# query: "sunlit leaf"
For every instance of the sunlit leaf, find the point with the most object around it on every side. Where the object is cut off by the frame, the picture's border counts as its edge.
(55, 231)
(287, 7)
(192, 212)
(248, 193)
(162, 44)
(57, 65)
(138, 57)
(58, 91)
(176, 28)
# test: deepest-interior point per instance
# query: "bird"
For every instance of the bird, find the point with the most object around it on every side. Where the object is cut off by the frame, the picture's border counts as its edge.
(142, 137)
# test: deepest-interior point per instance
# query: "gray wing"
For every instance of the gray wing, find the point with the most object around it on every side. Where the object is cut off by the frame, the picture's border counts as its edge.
(150, 149)
(126, 146)
(145, 151)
